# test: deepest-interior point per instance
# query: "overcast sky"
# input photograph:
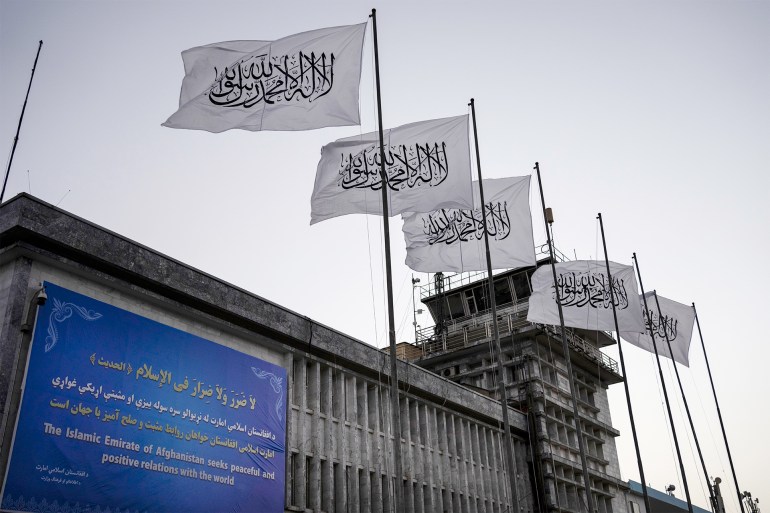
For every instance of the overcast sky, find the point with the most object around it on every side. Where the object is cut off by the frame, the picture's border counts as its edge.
(656, 114)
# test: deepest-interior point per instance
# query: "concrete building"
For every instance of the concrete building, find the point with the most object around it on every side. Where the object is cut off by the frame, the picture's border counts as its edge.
(458, 348)
(339, 443)
(338, 447)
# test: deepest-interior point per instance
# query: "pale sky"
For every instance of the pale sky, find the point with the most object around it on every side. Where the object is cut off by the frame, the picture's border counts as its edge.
(656, 114)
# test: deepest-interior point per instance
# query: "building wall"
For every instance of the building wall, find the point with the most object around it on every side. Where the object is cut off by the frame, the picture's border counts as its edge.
(13, 298)
(538, 382)
(339, 436)
(341, 447)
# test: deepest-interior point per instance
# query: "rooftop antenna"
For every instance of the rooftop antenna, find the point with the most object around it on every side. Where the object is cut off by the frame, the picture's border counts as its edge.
(62, 198)
(18, 129)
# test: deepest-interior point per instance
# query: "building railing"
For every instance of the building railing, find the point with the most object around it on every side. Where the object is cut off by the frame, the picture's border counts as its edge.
(454, 281)
(580, 345)
(468, 331)
(576, 464)
(521, 396)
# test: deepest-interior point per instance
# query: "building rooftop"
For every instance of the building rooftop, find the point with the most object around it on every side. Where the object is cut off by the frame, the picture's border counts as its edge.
(661, 502)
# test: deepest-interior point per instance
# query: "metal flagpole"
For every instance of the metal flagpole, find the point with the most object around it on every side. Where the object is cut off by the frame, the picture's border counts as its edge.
(662, 382)
(565, 348)
(687, 409)
(625, 375)
(509, 455)
(18, 129)
(394, 403)
(719, 412)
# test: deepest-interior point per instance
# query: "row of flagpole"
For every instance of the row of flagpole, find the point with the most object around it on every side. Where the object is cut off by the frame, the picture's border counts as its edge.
(548, 219)
(309, 80)
(651, 322)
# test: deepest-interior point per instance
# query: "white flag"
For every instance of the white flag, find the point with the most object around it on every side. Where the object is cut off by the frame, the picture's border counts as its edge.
(203, 64)
(674, 320)
(586, 296)
(453, 239)
(427, 164)
(301, 82)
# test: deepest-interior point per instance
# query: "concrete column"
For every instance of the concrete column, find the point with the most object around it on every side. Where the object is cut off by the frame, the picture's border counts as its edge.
(419, 497)
(350, 431)
(479, 468)
(470, 459)
(486, 466)
(327, 476)
(340, 488)
(288, 363)
(442, 467)
(454, 460)
(462, 461)
(377, 447)
(327, 484)
(300, 377)
(428, 439)
(364, 490)
(313, 403)
(15, 296)
(353, 490)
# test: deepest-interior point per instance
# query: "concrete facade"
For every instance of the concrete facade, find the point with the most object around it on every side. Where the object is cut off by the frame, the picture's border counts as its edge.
(459, 347)
(339, 441)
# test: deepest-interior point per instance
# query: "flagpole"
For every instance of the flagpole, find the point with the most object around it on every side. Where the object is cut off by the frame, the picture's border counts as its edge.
(18, 129)
(509, 454)
(394, 402)
(719, 412)
(663, 382)
(687, 409)
(565, 349)
(625, 375)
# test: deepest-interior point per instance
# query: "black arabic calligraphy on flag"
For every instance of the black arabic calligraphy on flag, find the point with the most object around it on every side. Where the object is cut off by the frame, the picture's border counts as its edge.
(453, 239)
(300, 82)
(584, 292)
(427, 166)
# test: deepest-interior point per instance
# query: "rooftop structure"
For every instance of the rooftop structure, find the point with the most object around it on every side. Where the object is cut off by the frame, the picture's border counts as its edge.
(458, 347)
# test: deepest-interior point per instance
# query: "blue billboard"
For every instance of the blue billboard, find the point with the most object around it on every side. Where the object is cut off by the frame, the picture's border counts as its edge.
(123, 414)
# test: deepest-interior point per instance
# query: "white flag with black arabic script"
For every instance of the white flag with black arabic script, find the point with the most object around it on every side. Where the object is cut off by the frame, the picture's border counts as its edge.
(451, 239)
(586, 296)
(673, 320)
(203, 64)
(427, 166)
(300, 82)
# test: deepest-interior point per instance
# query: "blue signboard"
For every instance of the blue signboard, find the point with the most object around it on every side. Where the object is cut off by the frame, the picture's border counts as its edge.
(124, 414)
